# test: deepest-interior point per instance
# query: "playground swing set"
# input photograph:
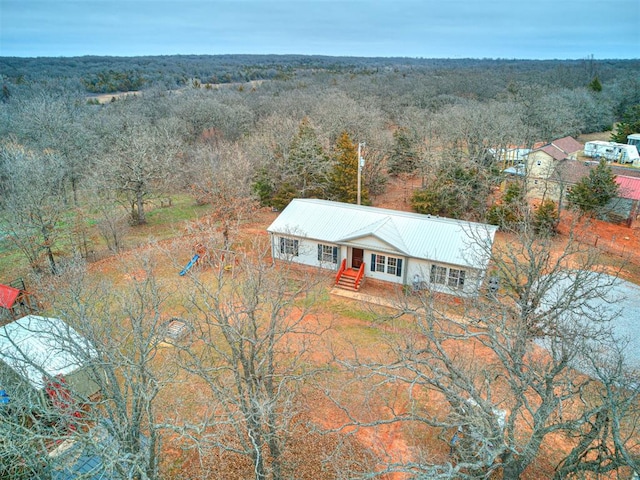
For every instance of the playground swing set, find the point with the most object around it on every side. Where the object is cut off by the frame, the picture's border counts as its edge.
(224, 259)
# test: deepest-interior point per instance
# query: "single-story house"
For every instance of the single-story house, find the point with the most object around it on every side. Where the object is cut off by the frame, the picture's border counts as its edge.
(35, 350)
(358, 242)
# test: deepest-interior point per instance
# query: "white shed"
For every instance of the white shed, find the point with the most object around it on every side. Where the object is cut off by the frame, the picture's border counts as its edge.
(405, 248)
(634, 139)
(36, 349)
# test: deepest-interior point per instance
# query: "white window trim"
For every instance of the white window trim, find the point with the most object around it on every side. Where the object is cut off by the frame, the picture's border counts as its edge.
(385, 267)
(289, 246)
(327, 253)
(453, 278)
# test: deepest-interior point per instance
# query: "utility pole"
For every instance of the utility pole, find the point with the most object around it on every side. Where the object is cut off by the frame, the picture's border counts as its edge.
(360, 165)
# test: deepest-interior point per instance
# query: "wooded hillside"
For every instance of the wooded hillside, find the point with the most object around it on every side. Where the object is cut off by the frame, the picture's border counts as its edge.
(101, 197)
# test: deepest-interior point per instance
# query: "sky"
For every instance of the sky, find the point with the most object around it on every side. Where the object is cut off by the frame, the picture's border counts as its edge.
(526, 29)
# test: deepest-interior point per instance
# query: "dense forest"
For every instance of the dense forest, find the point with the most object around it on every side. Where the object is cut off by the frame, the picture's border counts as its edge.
(90, 145)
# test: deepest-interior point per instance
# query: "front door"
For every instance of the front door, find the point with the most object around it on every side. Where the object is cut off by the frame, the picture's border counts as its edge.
(357, 254)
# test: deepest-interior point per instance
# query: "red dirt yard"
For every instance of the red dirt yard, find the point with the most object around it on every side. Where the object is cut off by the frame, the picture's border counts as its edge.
(349, 324)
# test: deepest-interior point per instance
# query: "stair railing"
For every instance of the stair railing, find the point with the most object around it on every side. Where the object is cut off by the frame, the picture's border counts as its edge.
(343, 267)
(360, 275)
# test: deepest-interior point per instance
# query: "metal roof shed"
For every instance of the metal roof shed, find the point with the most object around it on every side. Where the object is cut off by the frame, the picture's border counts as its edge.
(37, 349)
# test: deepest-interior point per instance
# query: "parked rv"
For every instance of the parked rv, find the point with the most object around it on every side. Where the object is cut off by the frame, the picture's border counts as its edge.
(613, 152)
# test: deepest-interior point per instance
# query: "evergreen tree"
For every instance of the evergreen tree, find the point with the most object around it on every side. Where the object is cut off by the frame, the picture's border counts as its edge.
(403, 158)
(508, 214)
(343, 179)
(630, 124)
(595, 85)
(309, 164)
(5, 94)
(593, 192)
(545, 218)
(302, 171)
(263, 186)
(455, 191)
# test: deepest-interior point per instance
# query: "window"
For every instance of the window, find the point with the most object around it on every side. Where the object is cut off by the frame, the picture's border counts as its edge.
(456, 278)
(288, 246)
(451, 277)
(390, 265)
(438, 274)
(327, 253)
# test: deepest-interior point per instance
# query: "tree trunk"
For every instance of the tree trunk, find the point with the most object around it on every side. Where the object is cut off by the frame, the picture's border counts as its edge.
(47, 245)
(141, 220)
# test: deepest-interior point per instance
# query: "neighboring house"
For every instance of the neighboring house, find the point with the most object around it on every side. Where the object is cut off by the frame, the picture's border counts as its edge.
(403, 248)
(36, 350)
(542, 164)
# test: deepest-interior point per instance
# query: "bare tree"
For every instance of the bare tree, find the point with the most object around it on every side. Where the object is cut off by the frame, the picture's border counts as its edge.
(221, 175)
(32, 202)
(58, 121)
(510, 370)
(252, 327)
(137, 164)
(124, 328)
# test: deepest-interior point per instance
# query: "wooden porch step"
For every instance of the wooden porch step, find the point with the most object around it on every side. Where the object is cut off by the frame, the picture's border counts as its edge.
(348, 282)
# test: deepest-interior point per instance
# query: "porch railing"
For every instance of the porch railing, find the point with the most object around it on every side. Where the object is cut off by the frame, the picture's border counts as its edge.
(343, 267)
(360, 275)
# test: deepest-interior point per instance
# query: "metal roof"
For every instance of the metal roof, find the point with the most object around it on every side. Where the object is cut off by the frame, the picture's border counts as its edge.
(34, 346)
(629, 187)
(419, 236)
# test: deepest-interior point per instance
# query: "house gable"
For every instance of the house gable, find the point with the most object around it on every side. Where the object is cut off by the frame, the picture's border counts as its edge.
(569, 146)
(542, 161)
(382, 234)
(372, 242)
(539, 164)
